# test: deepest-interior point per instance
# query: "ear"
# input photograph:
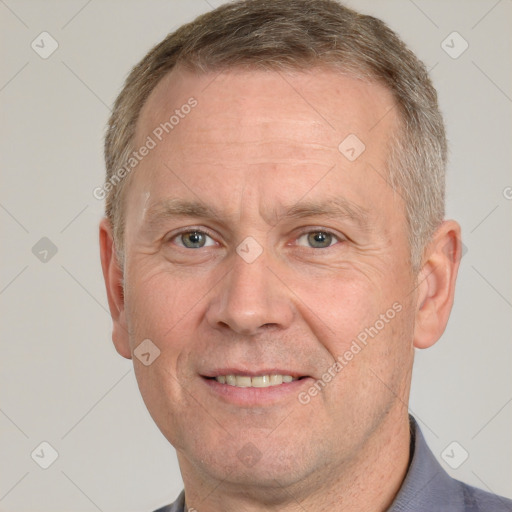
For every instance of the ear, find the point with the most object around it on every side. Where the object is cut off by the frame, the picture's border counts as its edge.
(113, 276)
(436, 288)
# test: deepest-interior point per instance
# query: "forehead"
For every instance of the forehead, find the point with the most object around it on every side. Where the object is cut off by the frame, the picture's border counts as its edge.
(249, 127)
(325, 102)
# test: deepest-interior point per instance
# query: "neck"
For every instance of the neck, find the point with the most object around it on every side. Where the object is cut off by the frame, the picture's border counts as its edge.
(368, 483)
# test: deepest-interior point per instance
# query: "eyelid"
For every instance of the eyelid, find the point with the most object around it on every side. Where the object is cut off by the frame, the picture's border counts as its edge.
(303, 231)
(189, 229)
(316, 229)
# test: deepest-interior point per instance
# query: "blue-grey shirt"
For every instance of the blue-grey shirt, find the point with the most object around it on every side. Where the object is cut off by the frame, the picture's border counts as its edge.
(426, 487)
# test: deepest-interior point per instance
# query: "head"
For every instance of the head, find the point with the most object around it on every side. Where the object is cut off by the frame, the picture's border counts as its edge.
(291, 214)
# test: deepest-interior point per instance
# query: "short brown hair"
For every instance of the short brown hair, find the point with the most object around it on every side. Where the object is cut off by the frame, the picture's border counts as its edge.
(299, 35)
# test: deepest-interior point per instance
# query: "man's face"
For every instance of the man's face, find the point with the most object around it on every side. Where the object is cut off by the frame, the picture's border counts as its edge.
(326, 258)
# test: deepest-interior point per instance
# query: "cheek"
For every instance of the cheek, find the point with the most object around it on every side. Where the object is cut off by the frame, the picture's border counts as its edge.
(367, 328)
(376, 357)
(160, 302)
(163, 309)
(165, 395)
(340, 306)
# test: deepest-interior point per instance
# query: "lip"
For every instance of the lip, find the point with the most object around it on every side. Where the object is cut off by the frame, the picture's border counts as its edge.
(247, 397)
(240, 371)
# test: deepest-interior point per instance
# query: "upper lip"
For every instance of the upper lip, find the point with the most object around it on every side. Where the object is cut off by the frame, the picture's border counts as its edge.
(252, 372)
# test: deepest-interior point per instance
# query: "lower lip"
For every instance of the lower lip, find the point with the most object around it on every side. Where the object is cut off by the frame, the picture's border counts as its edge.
(257, 396)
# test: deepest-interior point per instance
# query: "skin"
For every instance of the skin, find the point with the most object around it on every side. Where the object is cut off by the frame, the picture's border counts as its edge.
(257, 144)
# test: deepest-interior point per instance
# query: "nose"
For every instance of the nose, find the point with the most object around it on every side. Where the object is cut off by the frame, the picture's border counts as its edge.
(250, 299)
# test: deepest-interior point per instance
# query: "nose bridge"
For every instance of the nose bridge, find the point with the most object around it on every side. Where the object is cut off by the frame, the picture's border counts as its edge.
(250, 297)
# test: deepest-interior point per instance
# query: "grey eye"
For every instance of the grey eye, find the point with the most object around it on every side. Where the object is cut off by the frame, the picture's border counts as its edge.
(194, 240)
(317, 239)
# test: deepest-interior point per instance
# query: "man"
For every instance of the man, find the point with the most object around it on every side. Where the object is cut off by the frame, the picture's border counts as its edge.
(274, 249)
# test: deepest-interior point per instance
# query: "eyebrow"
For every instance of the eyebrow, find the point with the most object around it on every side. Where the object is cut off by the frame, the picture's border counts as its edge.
(338, 208)
(169, 208)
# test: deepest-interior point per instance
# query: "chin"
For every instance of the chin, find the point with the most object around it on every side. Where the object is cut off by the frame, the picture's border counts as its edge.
(244, 466)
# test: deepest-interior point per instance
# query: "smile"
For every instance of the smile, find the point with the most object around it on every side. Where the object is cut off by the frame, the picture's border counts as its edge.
(259, 381)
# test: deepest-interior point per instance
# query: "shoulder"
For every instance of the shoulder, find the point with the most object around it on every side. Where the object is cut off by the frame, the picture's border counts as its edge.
(476, 500)
(427, 487)
(176, 506)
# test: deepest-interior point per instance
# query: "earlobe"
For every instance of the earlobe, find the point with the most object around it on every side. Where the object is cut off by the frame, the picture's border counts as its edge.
(113, 276)
(436, 284)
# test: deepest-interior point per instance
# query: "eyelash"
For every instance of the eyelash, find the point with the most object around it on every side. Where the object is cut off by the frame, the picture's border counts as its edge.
(192, 230)
(204, 231)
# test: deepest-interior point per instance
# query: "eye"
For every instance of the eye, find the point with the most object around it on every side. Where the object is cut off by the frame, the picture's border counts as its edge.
(317, 239)
(193, 239)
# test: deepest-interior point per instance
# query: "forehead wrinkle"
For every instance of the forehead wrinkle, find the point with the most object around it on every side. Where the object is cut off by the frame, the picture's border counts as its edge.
(337, 208)
(257, 152)
(175, 207)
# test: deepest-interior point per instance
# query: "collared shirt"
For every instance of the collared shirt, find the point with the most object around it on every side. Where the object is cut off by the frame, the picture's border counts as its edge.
(426, 487)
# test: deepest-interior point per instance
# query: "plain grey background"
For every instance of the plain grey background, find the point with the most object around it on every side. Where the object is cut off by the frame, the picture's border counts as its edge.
(62, 381)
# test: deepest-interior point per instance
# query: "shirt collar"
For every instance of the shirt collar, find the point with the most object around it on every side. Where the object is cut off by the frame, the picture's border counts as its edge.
(426, 484)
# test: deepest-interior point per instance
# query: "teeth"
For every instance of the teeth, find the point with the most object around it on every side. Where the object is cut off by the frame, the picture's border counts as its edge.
(260, 381)
(276, 379)
(243, 381)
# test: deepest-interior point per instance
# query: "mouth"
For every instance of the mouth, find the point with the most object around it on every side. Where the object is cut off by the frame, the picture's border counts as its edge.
(254, 381)
(266, 387)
